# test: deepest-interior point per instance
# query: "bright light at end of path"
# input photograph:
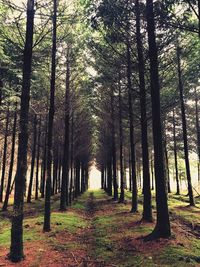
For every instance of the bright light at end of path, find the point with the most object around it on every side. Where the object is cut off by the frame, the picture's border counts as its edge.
(95, 178)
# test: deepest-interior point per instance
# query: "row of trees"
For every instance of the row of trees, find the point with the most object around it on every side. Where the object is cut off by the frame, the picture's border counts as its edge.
(147, 94)
(45, 109)
(125, 86)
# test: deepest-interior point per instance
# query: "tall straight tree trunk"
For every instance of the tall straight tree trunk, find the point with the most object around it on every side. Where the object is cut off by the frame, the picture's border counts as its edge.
(44, 161)
(59, 172)
(152, 173)
(134, 207)
(32, 160)
(175, 155)
(4, 155)
(55, 163)
(64, 200)
(5, 204)
(199, 15)
(83, 180)
(71, 159)
(130, 174)
(121, 198)
(197, 131)
(1, 87)
(47, 212)
(105, 181)
(16, 249)
(102, 177)
(77, 178)
(167, 174)
(114, 164)
(162, 228)
(184, 128)
(38, 161)
(109, 175)
(147, 210)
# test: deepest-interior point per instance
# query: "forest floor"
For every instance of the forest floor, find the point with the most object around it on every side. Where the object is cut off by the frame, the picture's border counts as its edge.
(97, 232)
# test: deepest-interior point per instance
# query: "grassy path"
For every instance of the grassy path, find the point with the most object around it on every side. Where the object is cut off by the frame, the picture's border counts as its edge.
(97, 232)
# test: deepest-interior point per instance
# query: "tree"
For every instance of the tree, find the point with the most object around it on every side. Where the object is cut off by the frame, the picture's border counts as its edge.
(64, 200)
(162, 228)
(147, 211)
(184, 125)
(16, 249)
(47, 214)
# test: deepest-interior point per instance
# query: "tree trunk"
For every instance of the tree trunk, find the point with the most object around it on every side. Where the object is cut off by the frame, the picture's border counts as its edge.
(199, 16)
(162, 228)
(16, 249)
(115, 186)
(71, 160)
(47, 213)
(166, 164)
(130, 174)
(147, 210)
(59, 172)
(44, 164)
(4, 155)
(102, 177)
(5, 204)
(55, 171)
(184, 128)
(64, 200)
(32, 160)
(83, 181)
(121, 198)
(175, 155)
(77, 186)
(197, 131)
(109, 175)
(152, 173)
(134, 207)
(38, 161)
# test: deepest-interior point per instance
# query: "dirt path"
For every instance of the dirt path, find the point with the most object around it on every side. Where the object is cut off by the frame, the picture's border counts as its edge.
(97, 232)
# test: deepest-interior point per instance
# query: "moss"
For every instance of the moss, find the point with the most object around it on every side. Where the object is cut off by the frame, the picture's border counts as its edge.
(33, 226)
(68, 221)
(98, 194)
(68, 246)
(176, 257)
(30, 234)
(103, 249)
(79, 205)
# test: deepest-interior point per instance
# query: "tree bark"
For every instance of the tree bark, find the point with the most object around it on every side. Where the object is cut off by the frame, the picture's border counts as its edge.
(197, 132)
(71, 159)
(167, 173)
(121, 198)
(38, 161)
(175, 155)
(4, 155)
(115, 186)
(109, 175)
(162, 228)
(134, 207)
(77, 178)
(147, 210)
(47, 213)
(32, 160)
(184, 128)
(64, 200)
(5, 204)
(16, 249)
